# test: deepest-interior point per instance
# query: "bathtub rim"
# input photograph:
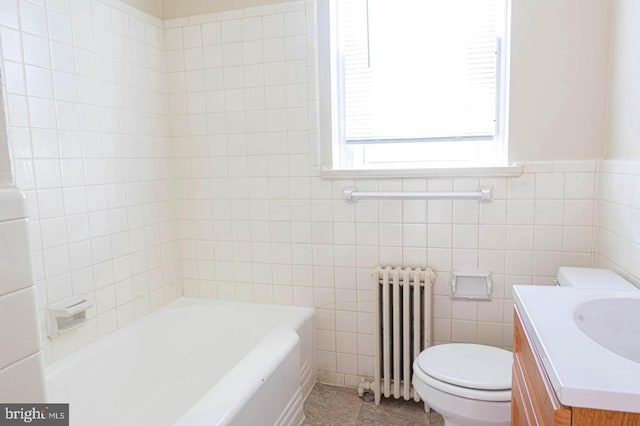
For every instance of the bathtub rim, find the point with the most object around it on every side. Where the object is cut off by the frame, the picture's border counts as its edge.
(297, 321)
(96, 346)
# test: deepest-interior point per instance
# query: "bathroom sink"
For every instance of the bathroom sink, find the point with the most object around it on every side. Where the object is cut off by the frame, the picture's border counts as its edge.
(589, 342)
(613, 323)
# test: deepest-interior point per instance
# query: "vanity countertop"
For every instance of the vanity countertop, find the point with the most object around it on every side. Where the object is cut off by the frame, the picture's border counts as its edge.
(583, 373)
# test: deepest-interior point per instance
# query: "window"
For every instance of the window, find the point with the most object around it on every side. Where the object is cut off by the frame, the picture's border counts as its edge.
(418, 83)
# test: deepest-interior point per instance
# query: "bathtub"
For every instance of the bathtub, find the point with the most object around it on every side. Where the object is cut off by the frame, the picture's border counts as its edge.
(193, 362)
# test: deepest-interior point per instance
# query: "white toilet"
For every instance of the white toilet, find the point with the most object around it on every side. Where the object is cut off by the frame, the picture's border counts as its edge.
(470, 385)
(467, 384)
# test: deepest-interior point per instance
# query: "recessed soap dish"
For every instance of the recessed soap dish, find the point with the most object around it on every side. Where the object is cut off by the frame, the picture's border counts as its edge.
(476, 285)
(67, 315)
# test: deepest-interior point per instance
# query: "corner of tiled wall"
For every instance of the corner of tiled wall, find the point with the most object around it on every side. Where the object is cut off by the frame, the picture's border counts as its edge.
(618, 209)
(89, 136)
(6, 174)
(257, 222)
(192, 162)
(21, 358)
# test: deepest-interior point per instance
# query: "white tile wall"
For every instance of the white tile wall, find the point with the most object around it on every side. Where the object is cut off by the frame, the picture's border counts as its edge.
(256, 223)
(619, 218)
(88, 127)
(28, 373)
(19, 331)
(6, 177)
(21, 354)
(140, 175)
(15, 267)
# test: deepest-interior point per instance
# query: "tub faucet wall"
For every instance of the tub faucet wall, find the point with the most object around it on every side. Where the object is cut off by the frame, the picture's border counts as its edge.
(88, 132)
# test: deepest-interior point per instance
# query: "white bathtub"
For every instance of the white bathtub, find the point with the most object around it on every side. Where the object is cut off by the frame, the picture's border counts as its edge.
(194, 362)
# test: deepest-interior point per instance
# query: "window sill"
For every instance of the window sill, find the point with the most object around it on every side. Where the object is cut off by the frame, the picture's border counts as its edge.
(478, 171)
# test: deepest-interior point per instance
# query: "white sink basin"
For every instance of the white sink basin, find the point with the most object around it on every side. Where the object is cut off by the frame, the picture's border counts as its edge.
(588, 341)
(613, 323)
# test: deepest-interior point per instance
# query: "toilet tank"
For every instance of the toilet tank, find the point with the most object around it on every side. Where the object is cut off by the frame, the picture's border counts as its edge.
(569, 276)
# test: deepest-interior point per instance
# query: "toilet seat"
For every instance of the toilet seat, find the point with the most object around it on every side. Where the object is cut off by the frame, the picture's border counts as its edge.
(469, 393)
(467, 370)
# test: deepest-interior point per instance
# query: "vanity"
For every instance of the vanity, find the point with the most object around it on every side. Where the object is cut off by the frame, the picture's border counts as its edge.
(576, 357)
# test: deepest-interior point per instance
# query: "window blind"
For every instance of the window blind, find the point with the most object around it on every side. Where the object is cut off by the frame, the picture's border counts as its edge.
(418, 70)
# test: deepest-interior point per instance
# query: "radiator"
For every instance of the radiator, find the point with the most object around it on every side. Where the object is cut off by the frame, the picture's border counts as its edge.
(402, 299)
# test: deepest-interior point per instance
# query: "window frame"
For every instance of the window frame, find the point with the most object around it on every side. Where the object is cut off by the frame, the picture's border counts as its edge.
(331, 126)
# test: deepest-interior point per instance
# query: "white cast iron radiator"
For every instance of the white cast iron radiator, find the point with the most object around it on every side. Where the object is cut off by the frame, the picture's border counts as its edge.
(402, 302)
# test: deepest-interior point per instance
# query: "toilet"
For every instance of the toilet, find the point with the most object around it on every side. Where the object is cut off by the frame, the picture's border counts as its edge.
(469, 384)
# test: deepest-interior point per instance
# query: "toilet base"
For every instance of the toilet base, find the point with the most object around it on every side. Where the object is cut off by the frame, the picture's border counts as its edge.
(459, 411)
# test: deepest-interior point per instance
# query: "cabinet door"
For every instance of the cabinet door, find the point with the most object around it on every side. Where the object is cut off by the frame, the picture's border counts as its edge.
(521, 410)
(546, 409)
(534, 401)
(592, 417)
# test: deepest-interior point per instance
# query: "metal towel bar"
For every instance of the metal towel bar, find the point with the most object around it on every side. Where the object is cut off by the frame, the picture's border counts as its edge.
(483, 194)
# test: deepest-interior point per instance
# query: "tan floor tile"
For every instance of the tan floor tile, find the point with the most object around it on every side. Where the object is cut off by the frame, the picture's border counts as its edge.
(331, 405)
(336, 406)
(393, 412)
(436, 419)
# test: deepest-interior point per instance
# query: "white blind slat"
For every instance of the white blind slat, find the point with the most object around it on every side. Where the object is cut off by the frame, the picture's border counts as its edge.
(418, 68)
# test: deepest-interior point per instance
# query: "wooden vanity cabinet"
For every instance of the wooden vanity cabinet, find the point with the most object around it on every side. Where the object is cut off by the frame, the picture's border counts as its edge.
(534, 401)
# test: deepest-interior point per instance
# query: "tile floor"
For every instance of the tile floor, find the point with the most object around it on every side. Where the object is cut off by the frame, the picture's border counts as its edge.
(332, 405)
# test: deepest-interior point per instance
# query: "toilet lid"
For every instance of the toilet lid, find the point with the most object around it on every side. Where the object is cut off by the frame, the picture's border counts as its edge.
(468, 365)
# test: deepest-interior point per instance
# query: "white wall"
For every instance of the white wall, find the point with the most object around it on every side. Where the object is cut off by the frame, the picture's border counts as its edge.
(87, 114)
(254, 220)
(185, 8)
(618, 226)
(618, 233)
(6, 175)
(559, 57)
(624, 84)
(257, 224)
(21, 358)
(152, 7)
